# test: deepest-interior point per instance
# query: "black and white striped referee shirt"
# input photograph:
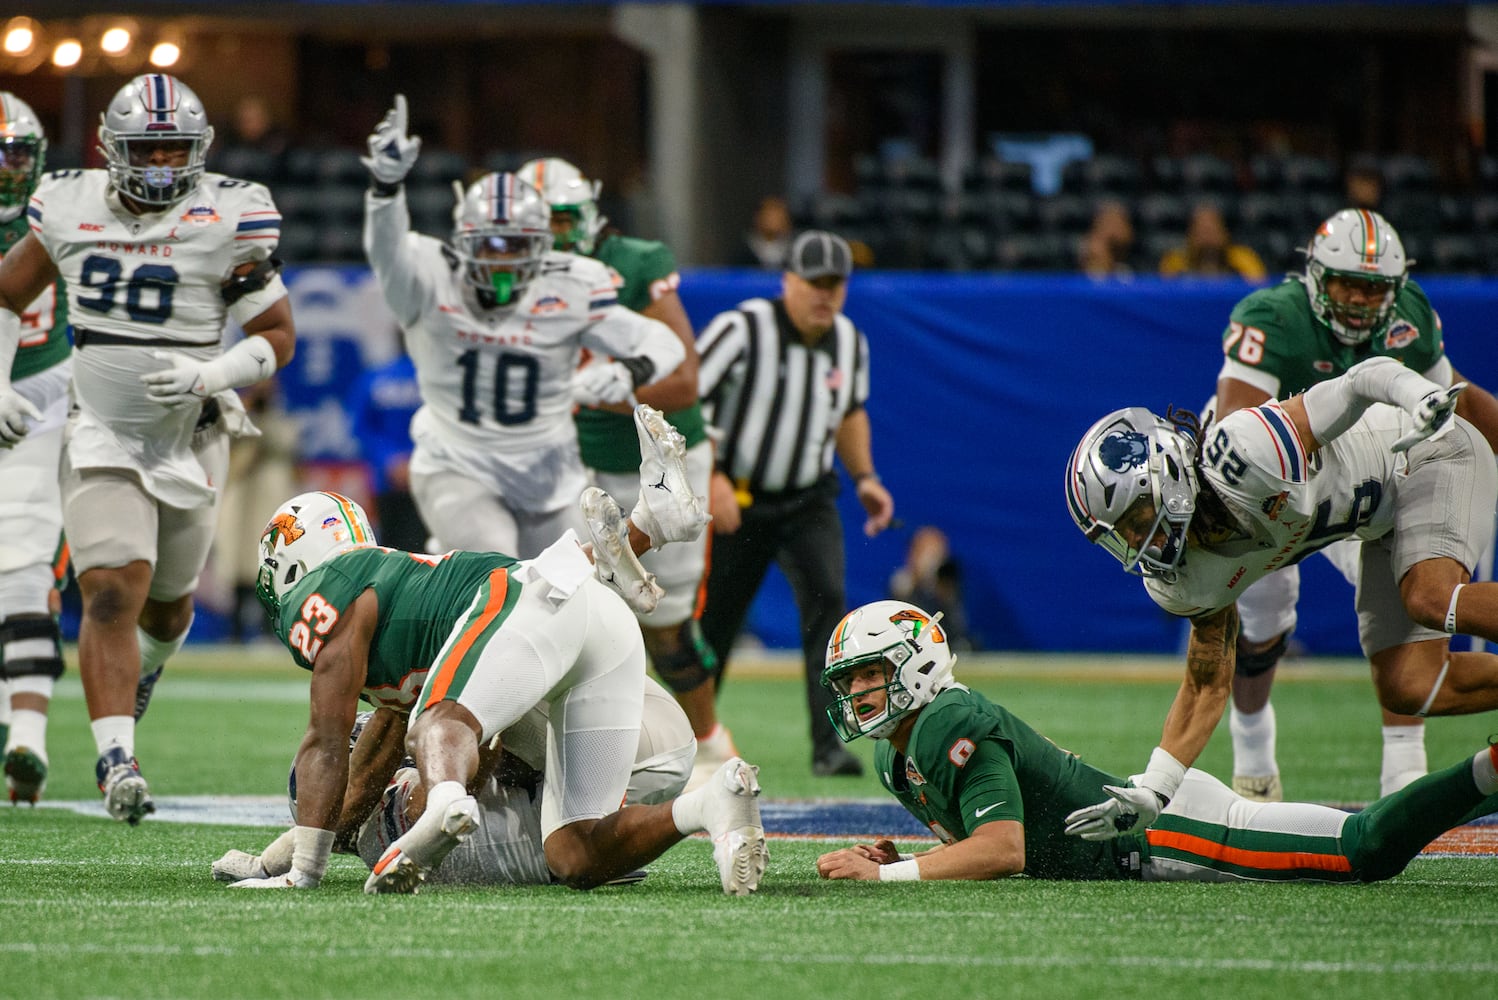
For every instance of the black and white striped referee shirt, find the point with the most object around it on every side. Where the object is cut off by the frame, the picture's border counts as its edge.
(776, 402)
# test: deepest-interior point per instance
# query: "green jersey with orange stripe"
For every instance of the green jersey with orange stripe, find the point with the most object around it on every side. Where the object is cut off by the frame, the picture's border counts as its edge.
(421, 599)
(44, 323)
(970, 762)
(608, 441)
(1274, 341)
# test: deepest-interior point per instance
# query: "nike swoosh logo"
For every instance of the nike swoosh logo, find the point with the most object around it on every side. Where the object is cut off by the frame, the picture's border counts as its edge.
(980, 813)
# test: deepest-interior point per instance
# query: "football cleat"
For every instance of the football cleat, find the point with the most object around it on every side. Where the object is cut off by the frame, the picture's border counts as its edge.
(144, 688)
(407, 862)
(667, 510)
(613, 559)
(1259, 787)
(732, 819)
(25, 775)
(126, 795)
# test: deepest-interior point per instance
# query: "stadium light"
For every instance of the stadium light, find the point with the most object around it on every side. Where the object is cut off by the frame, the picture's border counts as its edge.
(164, 54)
(116, 41)
(67, 53)
(20, 36)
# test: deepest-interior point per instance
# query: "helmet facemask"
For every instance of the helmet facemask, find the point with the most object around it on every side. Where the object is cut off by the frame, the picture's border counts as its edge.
(155, 137)
(501, 231)
(908, 653)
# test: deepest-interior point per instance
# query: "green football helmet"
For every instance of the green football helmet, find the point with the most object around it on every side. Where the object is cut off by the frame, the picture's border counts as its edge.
(912, 649)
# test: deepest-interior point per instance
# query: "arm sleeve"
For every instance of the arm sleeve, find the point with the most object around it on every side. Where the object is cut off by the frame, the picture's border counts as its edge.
(391, 248)
(622, 333)
(1334, 406)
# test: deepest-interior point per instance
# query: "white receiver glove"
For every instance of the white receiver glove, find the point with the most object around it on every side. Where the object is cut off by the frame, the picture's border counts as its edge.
(602, 382)
(14, 409)
(236, 866)
(1431, 414)
(1125, 809)
(392, 153)
(293, 879)
(185, 381)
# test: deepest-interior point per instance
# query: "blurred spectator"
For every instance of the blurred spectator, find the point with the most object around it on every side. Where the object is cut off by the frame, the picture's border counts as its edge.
(1363, 187)
(1210, 252)
(1105, 248)
(767, 243)
(254, 128)
(261, 471)
(932, 579)
(381, 405)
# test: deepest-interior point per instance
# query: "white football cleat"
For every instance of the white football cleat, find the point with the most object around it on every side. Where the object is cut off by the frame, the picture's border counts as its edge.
(614, 561)
(731, 814)
(667, 510)
(1259, 787)
(126, 795)
(407, 862)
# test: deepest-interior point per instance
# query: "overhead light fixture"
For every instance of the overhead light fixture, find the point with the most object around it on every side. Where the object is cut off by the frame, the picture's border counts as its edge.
(164, 54)
(67, 53)
(20, 36)
(116, 41)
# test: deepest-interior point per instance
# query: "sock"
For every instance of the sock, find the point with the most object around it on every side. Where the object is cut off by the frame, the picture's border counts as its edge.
(1253, 742)
(1485, 770)
(155, 652)
(686, 811)
(28, 728)
(1404, 757)
(114, 730)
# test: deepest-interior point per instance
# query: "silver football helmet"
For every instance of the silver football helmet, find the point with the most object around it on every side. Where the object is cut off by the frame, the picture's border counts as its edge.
(1132, 476)
(154, 112)
(305, 532)
(501, 230)
(1361, 246)
(916, 657)
(23, 154)
(568, 193)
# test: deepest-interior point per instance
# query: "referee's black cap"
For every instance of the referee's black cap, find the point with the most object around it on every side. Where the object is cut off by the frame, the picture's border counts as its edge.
(819, 254)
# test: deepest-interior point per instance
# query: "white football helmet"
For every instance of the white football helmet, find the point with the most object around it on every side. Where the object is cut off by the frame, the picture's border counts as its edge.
(917, 660)
(568, 192)
(501, 230)
(305, 532)
(1360, 245)
(145, 113)
(1133, 461)
(23, 154)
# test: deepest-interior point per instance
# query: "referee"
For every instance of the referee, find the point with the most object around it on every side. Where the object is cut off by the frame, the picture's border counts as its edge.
(783, 384)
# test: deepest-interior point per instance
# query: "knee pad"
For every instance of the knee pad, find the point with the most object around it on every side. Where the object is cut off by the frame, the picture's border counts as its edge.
(691, 664)
(1254, 664)
(30, 646)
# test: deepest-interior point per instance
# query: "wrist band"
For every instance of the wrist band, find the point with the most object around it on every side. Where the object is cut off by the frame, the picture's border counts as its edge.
(906, 857)
(901, 871)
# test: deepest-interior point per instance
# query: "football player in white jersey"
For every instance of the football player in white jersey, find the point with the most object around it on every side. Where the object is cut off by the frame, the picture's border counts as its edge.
(1202, 519)
(156, 255)
(495, 323)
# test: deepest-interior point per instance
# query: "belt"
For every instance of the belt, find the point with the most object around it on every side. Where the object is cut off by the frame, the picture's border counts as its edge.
(98, 338)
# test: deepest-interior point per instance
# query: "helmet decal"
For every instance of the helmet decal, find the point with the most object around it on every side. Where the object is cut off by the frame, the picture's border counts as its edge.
(1124, 450)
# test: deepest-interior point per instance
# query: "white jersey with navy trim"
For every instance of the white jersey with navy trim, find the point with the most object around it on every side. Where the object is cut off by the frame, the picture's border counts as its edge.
(496, 383)
(157, 278)
(1290, 504)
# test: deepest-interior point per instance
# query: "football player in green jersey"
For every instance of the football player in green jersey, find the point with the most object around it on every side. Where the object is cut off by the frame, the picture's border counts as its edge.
(468, 643)
(647, 268)
(996, 793)
(1355, 300)
(34, 376)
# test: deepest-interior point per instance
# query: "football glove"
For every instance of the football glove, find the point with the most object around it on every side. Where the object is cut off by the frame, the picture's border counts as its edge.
(294, 879)
(14, 409)
(1127, 808)
(1431, 414)
(236, 866)
(392, 153)
(602, 382)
